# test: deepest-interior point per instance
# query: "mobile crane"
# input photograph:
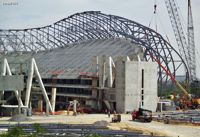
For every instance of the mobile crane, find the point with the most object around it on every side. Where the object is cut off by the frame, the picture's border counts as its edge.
(186, 45)
(186, 101)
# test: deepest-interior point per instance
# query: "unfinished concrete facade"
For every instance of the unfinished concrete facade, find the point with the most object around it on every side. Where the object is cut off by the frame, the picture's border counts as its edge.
(98, 73)
(136, 85)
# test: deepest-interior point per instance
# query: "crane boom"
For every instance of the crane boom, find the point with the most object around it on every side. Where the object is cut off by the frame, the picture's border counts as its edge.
(191, 43)
(186, 94)
(178, 32)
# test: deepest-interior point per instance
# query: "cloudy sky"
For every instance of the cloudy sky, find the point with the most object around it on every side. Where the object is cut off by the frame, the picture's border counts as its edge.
(16, 14)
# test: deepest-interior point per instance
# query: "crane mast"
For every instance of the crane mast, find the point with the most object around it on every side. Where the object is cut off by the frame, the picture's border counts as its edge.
(191, 43)
(186, 49)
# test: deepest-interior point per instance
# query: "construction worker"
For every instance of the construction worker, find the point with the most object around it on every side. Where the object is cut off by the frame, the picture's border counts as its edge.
(108, 113)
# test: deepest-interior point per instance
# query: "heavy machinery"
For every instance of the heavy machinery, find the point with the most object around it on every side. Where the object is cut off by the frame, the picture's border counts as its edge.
(185, 44)
(116, 118)
(196, 102)
(186, 101)
(141, 114)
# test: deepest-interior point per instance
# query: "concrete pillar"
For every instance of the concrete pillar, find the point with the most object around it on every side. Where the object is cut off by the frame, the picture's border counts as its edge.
(38, 76)
(97, 67)
(74, 107)
(94, 88)
(161, 107)
(100, 99)
(53, 98)
(102, 71)
(40, 105)
(19, 103)
(3, 70)
(47, 109)
(110, 72)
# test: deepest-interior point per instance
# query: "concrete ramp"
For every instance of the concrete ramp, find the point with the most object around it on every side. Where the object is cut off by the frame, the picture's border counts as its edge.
(107, 104)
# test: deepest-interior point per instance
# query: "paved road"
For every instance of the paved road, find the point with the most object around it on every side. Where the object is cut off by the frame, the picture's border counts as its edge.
(168, 129)
(155, 127)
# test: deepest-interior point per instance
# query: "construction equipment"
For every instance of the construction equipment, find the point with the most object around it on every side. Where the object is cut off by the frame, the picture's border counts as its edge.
(191, 43)
(116, 118)
(186, 100)
(186, 48)
(171, 77)
(196, 102)
(143, 115)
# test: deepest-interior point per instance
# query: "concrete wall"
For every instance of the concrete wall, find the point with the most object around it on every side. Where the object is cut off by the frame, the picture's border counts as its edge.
(132, 86)
(120, 86)
(11, 83)
(130, 94)
(150, 85)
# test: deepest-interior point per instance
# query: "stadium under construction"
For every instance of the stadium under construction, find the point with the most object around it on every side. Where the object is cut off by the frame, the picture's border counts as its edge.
(102, 61)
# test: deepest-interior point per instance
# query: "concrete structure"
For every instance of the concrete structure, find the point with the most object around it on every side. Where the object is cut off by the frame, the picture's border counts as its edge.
(136, 85)
(76, 56)
(11, 83)
(88, 72)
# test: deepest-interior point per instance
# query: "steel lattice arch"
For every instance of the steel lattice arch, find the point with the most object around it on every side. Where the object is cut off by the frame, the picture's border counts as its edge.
(93, 25)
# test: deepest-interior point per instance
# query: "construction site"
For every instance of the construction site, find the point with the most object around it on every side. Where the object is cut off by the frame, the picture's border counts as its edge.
(96, 74)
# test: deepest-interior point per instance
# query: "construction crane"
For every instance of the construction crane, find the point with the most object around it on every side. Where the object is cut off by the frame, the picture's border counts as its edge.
(186, 48)
(191, 43)
(186, 100)
(186, 95)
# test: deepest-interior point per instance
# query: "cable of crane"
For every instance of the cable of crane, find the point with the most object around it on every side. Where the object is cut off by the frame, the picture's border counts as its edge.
(154, 17)
(154, 13)
(163, 28)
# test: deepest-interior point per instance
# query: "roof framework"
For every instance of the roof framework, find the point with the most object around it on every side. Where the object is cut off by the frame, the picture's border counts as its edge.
(92, 25)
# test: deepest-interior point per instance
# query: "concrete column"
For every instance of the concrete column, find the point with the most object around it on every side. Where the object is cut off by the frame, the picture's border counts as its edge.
(102, 71)
(53, 98)
(74, 107)
(97, 67)
(40, 105)
(19, 104)
(29, 84)
(100, 100)
(110, 76)
(38, 76)
(94, 90)
(96, 94)
(3, 70)
(47, 109)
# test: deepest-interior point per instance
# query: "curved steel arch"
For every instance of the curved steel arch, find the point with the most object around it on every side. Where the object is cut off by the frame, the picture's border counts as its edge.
(93, 25)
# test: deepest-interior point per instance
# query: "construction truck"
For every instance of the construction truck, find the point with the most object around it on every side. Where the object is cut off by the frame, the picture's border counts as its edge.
(141, 114)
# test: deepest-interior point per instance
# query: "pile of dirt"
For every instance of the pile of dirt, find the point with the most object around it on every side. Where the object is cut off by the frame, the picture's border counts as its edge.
(101, 123)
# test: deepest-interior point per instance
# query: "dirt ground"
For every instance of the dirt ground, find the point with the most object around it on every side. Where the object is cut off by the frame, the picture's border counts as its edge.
(155, 128)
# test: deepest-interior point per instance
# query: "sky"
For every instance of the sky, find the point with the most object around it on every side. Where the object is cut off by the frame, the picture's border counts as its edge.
(20, 14)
